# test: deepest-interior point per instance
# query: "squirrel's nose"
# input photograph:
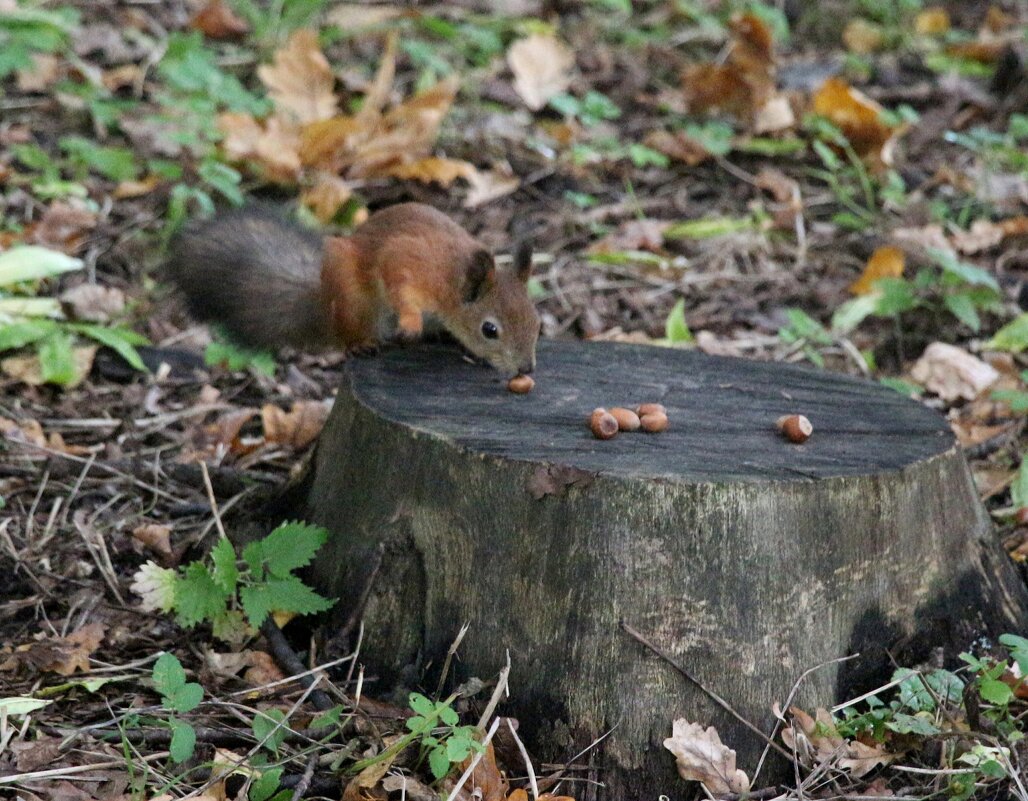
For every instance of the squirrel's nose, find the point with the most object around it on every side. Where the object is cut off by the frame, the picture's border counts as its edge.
(526, 368)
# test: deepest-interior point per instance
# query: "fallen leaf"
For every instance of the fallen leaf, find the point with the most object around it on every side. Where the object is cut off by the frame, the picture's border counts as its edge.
(28, 370)
(679, 146)
(700, 756)
(217, 20)
(300, 80)
(774, 116)
(633, 235)
(224, 433)
(542, 67)
(486, 780)
(262, 669)
(409, 787)
(858, 117)
(93, 302)
(76, 649)
(862, 37)
(327, 196)
(156, 537)
(298, 427)
(970, 432)
(41, 75)
(431, 170)
(487, 186)
(885, 262)
(932, 21)
(743, 85)
(786, 193)
(64, 226)
(355, 16)
(986, 234)
(923, 238)
(131, 189)
(122, 77)
(953, 373)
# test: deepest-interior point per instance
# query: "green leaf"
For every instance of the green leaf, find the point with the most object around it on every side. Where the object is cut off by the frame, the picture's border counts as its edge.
(853, 312)
(197, 597)
(266, 785)
(281, 595)
(183, 740)
(168, 674)
(57, 358)
(714, 137)
(897, 296)
(675, 328)
(185, 698)
(17, 335)
(290, 546)
(116, 163)
(225, 573)
(421, 704)
(1019, 489)
(265, 725)
(232, 357)
(439, 762)
(962, 307)
(1018, 647)
(31, 262)
(21, 705)
(121, 340)
(1012, 337)
(911, 724)
(996, 692)
(967, 273)
(708, 227)
(328, 718)
(447, 714)
(457, 748)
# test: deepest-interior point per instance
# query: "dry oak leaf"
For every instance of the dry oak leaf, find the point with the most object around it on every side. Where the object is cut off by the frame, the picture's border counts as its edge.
(953, 373)
(885, 262)
(64, 226)
(93, 302)
(298, 427)
(985, 234)
(701, 756)
(131, 189)
(28, 369)
(328, 194)
(433, 170)
(275, 145)
(932, 21)
(300, 80)
(634, 235)
(76, 648)
(217, 20)
(542, 67)
(775, 115)
(488, 185)
(486, 780)
(858, 117)
(679, 146)
(863, 37)
(41, 75)
(156, 537)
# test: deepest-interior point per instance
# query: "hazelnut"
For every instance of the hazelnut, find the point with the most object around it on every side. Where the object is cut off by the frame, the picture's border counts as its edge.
(650, 408)
(627, 419)
(795, 427)
(521, 384)
(603, 424)
(653, 422)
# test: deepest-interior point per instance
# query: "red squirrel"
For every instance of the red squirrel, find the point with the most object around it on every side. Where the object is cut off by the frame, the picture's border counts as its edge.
(271, 283)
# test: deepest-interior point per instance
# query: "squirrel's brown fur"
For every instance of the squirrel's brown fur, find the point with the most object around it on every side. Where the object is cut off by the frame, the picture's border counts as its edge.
(271, 283)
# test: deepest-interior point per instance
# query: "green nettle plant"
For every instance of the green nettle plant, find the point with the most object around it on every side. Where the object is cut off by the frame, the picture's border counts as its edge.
(236, 597)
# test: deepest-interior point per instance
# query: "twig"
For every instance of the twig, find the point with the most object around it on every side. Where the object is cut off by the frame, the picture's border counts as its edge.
(287, 658)
(524, 756)
(449, 658)
(710, 693)
(501, 688)
(210, 498)
(56, 773)
(305, 780)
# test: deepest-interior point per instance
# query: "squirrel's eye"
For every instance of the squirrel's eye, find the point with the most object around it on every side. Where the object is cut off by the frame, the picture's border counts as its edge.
(490, 330)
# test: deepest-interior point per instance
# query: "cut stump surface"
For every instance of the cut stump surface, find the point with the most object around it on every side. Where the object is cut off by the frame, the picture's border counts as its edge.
(746, 558)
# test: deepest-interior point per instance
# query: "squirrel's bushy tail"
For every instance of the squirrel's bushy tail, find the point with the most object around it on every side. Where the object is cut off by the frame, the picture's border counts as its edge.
(257, 274)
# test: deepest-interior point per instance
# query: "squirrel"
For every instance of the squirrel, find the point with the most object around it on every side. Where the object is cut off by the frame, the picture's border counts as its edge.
(272, 283)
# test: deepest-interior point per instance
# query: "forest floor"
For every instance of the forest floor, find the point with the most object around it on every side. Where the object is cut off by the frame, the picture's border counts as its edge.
(841, 183)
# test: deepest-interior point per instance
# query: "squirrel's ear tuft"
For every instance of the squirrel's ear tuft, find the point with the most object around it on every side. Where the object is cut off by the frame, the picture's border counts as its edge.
(480, 273)
(523, 260)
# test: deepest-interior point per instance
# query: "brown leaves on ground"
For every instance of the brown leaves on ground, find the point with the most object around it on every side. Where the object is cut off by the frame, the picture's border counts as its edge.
(885, 262)
(306, 142)
(293, 430)
(859, 118)
(31, 432)
(216, 20)
(744, 85)
(952, 373)
(542, 66)
(701, 756)
(297, 428)
(61, 655)
(816, 741)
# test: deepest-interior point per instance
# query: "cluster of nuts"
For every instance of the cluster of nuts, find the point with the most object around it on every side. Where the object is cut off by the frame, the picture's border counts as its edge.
(521, 384)
(650, 417)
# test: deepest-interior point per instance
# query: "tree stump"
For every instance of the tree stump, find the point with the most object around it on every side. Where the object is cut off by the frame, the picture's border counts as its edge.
(746, 558)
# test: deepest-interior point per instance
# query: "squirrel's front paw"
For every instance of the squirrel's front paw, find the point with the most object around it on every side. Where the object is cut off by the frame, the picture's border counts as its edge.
(409, 329)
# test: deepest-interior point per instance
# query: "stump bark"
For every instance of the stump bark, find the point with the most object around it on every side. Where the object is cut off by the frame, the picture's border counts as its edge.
(747, 559)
